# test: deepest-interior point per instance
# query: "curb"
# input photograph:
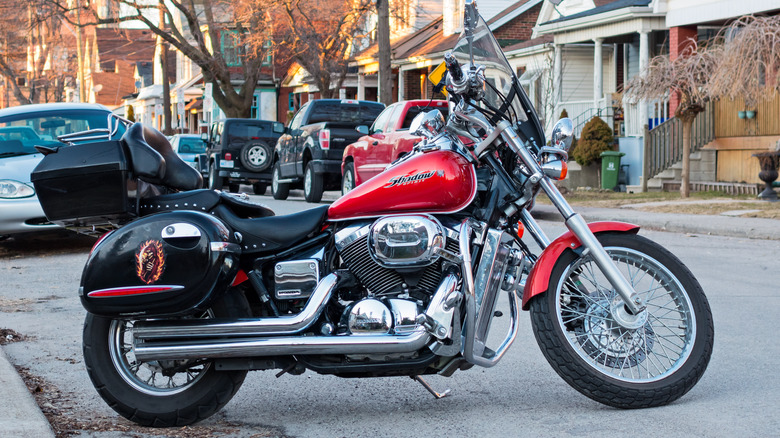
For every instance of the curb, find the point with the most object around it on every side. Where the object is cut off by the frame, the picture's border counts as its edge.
(728, 226)
(20, 415)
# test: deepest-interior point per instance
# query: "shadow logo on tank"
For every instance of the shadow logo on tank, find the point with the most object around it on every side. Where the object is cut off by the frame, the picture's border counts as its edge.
(410, 179)
(150, 261)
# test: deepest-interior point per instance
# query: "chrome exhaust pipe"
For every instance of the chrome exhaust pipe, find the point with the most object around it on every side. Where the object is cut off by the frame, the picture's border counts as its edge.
(200, 328)
(283, 346)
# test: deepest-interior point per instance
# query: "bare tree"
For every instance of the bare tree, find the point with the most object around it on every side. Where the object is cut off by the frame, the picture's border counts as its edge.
(383, 43)
(33, 64)
(319, 35)
(687, 75)
(215, 34)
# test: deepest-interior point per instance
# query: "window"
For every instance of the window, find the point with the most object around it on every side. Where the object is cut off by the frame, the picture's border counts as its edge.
(255, 106)
(359, 113)
(380, 124)
(231, 49)
(413, 111)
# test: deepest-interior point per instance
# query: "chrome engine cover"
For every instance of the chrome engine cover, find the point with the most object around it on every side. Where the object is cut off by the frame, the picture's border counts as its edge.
(369, 317)
(406, 241)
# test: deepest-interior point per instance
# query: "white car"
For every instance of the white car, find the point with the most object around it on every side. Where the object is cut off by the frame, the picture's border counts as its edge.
(190, 147)
(21, 129)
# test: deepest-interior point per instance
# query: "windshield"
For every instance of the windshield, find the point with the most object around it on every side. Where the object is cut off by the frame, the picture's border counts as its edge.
(191, 145)
(504, 97)
(19, 134)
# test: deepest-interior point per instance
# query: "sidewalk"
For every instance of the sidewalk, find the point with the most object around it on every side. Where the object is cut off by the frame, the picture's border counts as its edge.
(20, 416)
(721, 225)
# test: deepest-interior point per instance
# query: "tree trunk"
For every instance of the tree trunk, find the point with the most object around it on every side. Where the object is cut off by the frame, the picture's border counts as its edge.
(383, 42)
(685, 179)
(166, 93)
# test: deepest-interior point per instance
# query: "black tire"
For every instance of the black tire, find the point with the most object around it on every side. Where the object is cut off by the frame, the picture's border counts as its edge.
(234, 187)
(128, 392)
(215, 181)
(313, 184)
(279, 190)
(259, 188)
(634, 364)
(256, 156)
(348, 179)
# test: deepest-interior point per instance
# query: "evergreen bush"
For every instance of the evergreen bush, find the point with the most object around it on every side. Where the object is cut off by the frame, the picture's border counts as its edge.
(596, 138)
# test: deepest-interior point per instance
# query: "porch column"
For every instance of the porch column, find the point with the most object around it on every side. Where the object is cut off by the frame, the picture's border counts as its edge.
(401, 95)
(361, 88)
(557, 78)
(598, 70)
(644, 57)
(342, 93)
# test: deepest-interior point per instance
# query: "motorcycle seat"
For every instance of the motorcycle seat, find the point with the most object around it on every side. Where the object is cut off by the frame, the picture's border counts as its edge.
(154, 160)
(274, 233)
(202, 200)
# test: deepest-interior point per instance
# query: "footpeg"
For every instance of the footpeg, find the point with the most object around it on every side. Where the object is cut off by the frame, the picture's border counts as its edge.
(431, 390)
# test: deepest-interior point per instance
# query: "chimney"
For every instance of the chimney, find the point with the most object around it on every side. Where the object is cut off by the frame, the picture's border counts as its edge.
(453, 16)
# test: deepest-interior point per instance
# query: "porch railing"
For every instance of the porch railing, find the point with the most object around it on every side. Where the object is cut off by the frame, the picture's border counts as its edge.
(657, 113)
(663, 144)
(580, 112)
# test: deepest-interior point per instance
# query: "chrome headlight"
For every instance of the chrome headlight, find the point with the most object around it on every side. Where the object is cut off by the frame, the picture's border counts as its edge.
(10, 189)
(406, 241)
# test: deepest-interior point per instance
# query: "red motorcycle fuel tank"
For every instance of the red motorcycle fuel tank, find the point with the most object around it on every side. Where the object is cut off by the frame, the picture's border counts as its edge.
(434, 182)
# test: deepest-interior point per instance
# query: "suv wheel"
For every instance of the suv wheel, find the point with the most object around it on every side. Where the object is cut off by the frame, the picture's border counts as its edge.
(259, 188)
(256, 156)
(215, 182)
(312, 184)
(278, 189)
(234, 187)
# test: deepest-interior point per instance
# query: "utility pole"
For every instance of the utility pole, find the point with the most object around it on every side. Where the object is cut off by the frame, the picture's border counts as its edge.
(166, 93)
(383, 42)
(80, 57)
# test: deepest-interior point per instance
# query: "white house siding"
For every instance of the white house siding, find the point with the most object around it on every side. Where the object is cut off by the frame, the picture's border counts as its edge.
(685, 12)
(577, 71)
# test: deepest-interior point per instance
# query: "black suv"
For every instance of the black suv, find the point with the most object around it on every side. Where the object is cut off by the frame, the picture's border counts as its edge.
(240, 151)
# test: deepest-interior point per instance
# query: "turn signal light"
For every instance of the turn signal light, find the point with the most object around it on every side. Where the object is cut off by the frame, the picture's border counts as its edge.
(556, 170)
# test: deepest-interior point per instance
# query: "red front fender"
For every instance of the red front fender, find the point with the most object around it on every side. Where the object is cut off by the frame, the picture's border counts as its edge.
(539, 278)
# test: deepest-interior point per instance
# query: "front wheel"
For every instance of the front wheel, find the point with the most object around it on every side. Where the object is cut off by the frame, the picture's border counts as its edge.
(215, 181)
(608, 354)
(348, 179)
(313, 184)
(162, 393)
(279, 190)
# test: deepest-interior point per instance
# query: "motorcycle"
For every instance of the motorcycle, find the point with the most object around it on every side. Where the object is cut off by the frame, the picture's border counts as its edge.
(400, 277)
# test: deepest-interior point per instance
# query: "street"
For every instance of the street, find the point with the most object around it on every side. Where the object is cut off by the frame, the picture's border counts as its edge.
(739, 394)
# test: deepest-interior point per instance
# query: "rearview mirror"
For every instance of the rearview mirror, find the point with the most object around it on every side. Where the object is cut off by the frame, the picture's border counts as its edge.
(562, 134)
(362, 129)
(278, 128)
(204, 136)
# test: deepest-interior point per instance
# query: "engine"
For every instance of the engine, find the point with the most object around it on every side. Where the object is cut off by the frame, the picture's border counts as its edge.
(397, 262)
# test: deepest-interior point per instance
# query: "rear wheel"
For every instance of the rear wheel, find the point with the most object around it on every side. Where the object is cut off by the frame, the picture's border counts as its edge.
(279, 189)
(348, 179)
(259, 188)
(608, 354)
(162, 393)
(312, 184)
(234, 187)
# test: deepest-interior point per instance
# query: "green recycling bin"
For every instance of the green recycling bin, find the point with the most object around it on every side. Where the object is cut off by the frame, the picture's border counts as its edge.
(610, 169)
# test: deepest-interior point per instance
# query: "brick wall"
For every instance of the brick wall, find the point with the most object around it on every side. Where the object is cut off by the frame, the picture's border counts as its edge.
(679, 40)
(521, 27)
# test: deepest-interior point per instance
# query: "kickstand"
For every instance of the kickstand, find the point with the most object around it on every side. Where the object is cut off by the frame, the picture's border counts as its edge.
(428, 387)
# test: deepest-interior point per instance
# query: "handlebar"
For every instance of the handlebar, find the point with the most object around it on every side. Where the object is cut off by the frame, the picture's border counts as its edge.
(453, 66)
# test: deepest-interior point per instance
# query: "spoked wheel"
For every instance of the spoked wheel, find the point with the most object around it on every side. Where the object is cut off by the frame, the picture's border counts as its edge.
(607, 353)
(158, 393)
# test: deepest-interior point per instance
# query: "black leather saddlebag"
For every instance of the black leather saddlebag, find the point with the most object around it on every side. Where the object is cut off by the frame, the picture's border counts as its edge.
(166, 264)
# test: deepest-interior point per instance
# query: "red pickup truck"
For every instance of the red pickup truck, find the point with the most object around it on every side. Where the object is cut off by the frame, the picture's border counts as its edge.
(387, 140)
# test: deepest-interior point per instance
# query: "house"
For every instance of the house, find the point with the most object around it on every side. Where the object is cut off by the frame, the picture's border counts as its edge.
(601, 44)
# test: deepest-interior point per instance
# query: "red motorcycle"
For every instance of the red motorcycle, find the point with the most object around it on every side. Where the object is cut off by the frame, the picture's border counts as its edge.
(400, 277)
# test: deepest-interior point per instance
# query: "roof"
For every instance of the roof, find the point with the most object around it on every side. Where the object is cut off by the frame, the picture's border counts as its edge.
(603, 7)
(60, 106)
(130, 45)
(511, 12)
(545, 39)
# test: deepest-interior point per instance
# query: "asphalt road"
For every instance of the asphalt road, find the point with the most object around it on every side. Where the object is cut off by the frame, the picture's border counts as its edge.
(522, 396)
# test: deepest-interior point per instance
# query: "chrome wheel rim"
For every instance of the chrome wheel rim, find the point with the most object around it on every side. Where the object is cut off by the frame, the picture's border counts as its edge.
(347, 184)
(156, 378)
(307, 182)
(632, 348)
(257, 156)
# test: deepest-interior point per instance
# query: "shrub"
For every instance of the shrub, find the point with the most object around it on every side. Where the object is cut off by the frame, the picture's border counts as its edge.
(596, 138)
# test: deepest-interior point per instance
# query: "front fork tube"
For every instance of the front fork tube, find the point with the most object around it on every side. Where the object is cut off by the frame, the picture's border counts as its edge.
(574, 222)
(577, 225)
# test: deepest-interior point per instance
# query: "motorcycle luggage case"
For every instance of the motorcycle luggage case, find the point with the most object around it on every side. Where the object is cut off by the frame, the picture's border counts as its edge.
(167, 264)
(86, 184)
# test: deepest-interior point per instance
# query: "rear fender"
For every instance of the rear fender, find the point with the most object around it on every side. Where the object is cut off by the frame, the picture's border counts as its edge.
(539, 278)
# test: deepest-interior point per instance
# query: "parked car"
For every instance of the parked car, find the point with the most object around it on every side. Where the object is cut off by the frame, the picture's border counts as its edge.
(387, 140)
(190, 147)
(21, 129)
(309, 153)
(240, 151)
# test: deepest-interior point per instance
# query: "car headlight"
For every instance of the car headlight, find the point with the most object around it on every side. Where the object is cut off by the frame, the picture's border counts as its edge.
(10, 189)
